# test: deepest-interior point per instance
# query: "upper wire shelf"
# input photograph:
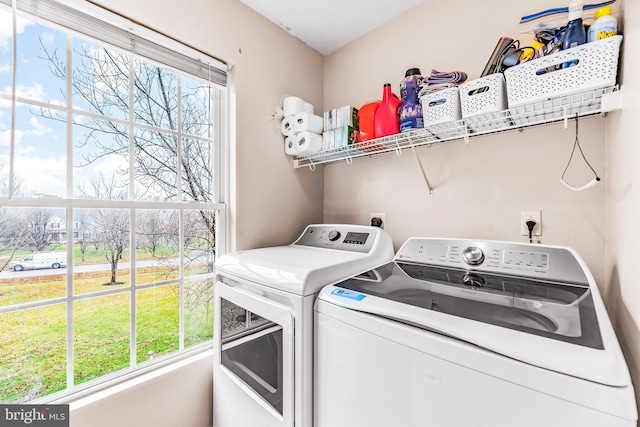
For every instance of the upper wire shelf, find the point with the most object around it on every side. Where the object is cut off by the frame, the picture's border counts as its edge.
(534, 114)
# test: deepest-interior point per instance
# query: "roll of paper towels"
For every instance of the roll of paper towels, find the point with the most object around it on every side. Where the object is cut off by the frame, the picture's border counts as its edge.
(287, 126)
(308, 122)
(308, 143)
(290, 146)
(292, 105)
(308, 108)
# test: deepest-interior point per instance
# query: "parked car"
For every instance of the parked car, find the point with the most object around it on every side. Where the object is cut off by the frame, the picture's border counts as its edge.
(40, 260)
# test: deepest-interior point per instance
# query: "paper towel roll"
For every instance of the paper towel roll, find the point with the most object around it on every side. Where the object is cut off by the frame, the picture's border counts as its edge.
(287, 126)
(290, 146)
(292, 105)
(308, 108)
(308, 122)
(308, 143)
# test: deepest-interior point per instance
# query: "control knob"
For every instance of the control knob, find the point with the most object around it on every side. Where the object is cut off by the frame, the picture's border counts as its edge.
(334, 235)
(473, 255)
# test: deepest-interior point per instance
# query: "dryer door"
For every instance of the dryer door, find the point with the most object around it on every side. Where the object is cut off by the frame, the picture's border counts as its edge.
(255, 349)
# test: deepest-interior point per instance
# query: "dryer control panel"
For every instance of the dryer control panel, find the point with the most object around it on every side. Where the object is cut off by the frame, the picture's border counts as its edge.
(353, 238)
(516, 259)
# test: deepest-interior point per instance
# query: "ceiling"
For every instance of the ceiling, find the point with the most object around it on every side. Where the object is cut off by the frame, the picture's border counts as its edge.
(327, 25)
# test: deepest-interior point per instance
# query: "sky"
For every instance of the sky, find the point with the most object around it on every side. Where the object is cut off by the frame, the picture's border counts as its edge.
(40, 143)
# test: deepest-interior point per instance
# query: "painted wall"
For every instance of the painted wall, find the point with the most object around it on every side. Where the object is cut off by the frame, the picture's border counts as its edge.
(479, 189)
(623, 200)
(271, 202)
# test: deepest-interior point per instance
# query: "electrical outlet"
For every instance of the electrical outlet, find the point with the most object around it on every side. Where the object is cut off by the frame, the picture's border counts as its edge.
(531, 216)
(382, 216)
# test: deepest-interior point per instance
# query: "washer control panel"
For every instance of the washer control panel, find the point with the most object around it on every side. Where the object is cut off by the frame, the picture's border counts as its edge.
(518, 259)
(353, 238)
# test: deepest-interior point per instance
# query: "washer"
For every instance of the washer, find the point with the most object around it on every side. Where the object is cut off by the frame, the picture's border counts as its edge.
(263, 363)
(470, 333)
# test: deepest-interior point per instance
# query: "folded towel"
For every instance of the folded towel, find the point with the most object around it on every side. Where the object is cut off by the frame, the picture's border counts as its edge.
(438, 77)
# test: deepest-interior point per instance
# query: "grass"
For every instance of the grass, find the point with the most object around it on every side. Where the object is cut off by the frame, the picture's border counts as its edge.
(33, 342)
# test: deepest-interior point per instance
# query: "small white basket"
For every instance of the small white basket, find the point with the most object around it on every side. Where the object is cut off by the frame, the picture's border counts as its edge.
(596, 66)
(439, 109)
(482, 101)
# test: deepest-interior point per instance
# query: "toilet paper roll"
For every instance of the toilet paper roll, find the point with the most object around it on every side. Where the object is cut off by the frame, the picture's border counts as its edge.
(308, 122)
(290, 145)
(287, 126)
(292, 105)
(308, 108)
(308, 143)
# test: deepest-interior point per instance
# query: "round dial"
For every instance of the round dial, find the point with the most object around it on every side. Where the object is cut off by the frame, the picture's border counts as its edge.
(334, 235)
(473, 255)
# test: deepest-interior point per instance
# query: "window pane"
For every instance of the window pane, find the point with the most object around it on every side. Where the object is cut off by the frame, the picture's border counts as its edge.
(32, 353)
(198, 311)
(41, 67)
(155, 96)
(100, 159)
(40, 152)
(199, 241)
(100, 80)
(157, 321)
(6, 52)
(197, 101)
(155, 166)
(32, 255)
(157, 245)
(101, 254)
(197, 171)
(101, 336)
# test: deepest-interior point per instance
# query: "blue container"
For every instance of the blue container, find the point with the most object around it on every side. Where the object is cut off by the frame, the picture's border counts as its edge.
(411, 108)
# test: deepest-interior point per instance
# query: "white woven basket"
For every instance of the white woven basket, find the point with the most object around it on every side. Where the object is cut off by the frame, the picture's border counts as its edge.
(544, 78)
(439, 108)
(481, 102)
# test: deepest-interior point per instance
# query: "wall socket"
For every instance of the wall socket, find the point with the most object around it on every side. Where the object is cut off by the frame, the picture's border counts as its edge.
(381, 215)
(531, 216)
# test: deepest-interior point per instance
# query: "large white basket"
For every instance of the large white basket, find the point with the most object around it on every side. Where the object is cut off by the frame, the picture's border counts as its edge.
(482, 101)
(439, 109)
(544, 78)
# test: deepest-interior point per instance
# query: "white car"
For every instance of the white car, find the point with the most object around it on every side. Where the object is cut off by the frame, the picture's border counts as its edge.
(40, 260)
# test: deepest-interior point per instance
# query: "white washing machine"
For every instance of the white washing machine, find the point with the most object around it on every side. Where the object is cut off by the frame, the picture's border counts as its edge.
(470, 333)
(263, 322)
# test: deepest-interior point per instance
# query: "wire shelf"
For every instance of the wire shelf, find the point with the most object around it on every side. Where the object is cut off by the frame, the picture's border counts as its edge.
(535, 114)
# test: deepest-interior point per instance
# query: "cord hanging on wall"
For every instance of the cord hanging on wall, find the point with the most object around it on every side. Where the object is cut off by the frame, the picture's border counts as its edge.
(589, 184)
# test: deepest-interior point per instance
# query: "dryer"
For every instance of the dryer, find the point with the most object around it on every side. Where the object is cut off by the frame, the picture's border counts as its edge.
(263, 321)
(459, 332)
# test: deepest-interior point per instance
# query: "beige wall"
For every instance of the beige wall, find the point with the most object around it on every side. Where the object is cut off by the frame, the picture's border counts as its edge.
(272, 202)
(480, 188)
(623, 200)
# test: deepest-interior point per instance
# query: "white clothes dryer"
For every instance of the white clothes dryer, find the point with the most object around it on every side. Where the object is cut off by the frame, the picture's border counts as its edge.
(263, 321)
(470, 333)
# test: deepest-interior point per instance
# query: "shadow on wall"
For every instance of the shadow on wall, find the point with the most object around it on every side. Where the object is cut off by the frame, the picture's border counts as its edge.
(626, 329)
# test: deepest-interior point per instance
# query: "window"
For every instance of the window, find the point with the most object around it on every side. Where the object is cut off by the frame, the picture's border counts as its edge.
(121, 133)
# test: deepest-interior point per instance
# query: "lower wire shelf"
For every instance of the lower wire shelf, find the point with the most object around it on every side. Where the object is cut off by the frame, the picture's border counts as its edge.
(535, 114)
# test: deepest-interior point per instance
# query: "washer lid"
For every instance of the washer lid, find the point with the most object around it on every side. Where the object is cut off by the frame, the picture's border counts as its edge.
(560, 327)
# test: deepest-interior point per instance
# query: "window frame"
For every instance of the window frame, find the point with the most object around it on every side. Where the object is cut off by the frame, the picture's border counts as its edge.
(221, 179)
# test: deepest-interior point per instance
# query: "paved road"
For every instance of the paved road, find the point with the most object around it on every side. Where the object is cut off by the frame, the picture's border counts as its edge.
(9, 274)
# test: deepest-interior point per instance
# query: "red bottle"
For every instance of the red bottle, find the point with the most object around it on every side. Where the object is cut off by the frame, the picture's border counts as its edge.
(386, 120)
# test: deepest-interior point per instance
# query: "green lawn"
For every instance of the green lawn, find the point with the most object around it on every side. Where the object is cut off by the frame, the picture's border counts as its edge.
(33, 342)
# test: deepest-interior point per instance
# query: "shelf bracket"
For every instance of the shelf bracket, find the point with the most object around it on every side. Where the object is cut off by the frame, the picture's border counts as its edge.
(312, 165)
(566, 118)
(424, 174)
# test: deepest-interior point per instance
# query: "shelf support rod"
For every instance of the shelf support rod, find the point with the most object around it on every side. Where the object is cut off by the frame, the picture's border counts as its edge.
(424, 174)
(566, 119)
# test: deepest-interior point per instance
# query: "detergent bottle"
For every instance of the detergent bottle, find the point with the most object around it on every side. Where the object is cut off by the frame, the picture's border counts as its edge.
(603, 26)
(411, 110)
(386, 119)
